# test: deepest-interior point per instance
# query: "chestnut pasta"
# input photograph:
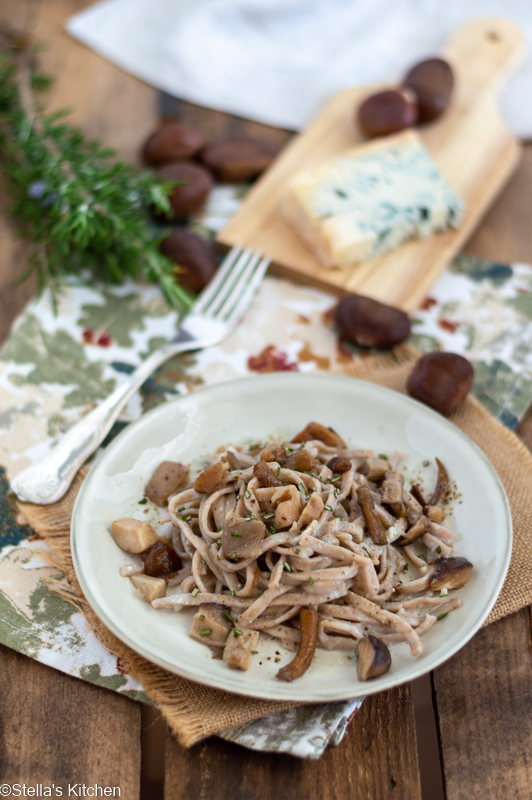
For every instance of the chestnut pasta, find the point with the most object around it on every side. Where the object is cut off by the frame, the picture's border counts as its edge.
(312, 543)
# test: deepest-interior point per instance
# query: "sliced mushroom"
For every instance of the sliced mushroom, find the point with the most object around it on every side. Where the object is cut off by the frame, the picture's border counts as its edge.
(373, 658)
(211, 625)
(164, 481)
(238, 652)
(373, 522)
(442, 482)
(301, 461)
(274, 453)
(149, 588)
(210, 479)
(316, 431)
(242, 538)
(233, 461)
(421, 526)
(161, 560)
(392, 491)
(133, 535)
(265, 475)
(435, 513)
(376, 469)
(288, 500)
(450, 573)
(416, 492)
(309, 628)
(339, 465)
(312, 510)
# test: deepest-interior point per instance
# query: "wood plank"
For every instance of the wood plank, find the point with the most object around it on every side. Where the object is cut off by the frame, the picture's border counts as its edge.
(470, 144)
(484, 701)
(58, 729)
(376, 759)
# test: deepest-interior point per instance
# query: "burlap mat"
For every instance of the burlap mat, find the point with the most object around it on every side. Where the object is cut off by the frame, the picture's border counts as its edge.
(193, 711)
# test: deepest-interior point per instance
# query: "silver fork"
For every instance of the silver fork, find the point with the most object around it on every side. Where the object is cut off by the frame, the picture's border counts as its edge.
(216, 312)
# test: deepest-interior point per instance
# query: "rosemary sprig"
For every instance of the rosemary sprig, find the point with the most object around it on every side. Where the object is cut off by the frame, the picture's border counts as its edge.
(81, 208)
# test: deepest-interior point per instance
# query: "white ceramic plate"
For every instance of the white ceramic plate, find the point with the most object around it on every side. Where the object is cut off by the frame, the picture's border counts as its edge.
(250, 409)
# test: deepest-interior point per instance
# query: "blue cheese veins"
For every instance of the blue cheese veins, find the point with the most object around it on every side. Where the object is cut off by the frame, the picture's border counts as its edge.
(370, 201)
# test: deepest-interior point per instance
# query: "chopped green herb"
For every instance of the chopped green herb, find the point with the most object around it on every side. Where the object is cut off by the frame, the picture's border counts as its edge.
(167, 584)
(302, 488)
(143, 502)
(445, 594)
(329, 508)
(287, 567)
(338, 516)
(405, 567)
(426, 463)
(203, 561)
(195, 592)
(218, 530)
(291, 449)
(268, 516)
(247, 493)
(423, 558)
(237, 632)
(218, 541)
(181, 509)
(232, 593)
(338, 478)
(218, 557)
(310, 581)
(278, 471)
(367, 552)
(205, 631)
(202, 617)
(298, 551)
(383, 455)
(438, 549)
(254, 446)
(238, 535)
(441, 616)
(228, 615)
(336, 492)
(254, 652)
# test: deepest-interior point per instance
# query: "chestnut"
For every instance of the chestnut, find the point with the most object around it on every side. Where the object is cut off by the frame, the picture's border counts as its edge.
(160, 560)
(369, 323)
(172, 142)
(388, 112)
(373, 658)
(190, 194)
(238, 159)
(432, 82)
(441, 381)
(194, 256)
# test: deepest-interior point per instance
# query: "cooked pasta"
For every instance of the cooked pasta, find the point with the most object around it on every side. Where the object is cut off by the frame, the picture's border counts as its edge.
(270, 529)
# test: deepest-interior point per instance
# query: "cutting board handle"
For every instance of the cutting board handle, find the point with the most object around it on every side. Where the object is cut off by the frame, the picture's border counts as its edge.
(483, 52)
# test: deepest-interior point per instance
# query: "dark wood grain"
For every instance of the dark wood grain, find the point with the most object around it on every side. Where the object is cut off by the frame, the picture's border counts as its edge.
(58, 729)
(484, 701)
(376, 759)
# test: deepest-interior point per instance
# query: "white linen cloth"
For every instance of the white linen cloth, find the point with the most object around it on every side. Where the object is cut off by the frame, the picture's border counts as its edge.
(278, 61)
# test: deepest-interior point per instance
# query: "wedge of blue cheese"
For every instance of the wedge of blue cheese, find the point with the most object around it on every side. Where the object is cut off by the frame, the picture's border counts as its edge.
(371, 200)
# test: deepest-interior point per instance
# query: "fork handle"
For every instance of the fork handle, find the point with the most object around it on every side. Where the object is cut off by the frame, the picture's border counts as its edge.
(48, 480)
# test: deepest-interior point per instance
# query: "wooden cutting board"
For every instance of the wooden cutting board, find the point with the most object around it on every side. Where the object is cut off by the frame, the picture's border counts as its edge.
(470, 144)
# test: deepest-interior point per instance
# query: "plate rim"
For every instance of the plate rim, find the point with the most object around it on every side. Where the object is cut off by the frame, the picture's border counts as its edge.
(361, 690)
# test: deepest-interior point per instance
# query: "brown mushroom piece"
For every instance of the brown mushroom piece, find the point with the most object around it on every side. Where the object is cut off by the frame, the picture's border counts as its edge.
(432, 82)
(133, 535)
(442, 482)
(374, 525)
(392, 491)
(415, 491)
(388, 112)
(339, 465)
(301, 461)
(192, 189)
(314, 430)
(172, 142)
(233, 460)
(238, 652)
(420, 526)
(309, 627)
(194, 258)
(373, 658)
(369, 323)
(441, 381)
(210, 479)
(265, 475)
(164, 481)
(161, 560)
(275, 453)
(242, 538)
(449, 573)
(210, 625)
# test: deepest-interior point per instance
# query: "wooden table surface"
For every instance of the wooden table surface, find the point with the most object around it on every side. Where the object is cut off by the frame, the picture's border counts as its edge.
(57, 729)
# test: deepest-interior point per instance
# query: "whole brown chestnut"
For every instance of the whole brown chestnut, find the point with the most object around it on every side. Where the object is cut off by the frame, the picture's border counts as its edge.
(441, 381)
(172, 142)
(241, 159)
(194, 257)
(388, 112)
(432, 82)
(190, 195)
(368, 323)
